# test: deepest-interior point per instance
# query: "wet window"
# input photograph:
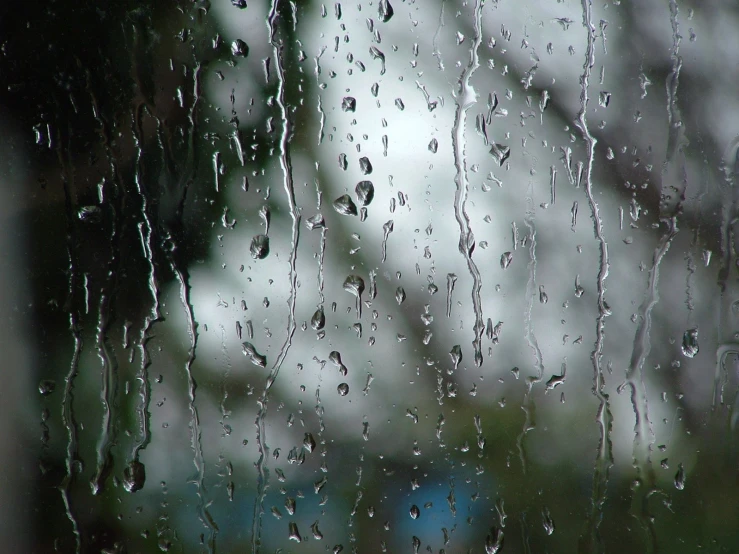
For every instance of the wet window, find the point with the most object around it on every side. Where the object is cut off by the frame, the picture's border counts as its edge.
(369, 276)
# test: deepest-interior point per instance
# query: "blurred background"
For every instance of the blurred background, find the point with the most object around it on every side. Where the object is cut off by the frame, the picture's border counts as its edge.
(395, 276)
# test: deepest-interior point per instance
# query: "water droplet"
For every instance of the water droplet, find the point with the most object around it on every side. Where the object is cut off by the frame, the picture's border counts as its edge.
(254, 357)
(690, 343)
(547, 521)
(604, 98)
(365, 166)
(309, 443)
(345, 205)
(365, 192)
(415, 512)
(505, 260)
(385, 11)
(433, 146)
(400, 295)
(456, 355)
(316, 531)
(315, 222)
(259, 247)
(399, 104)
(134, 476)
(543, 298)
(318, 321)
(46, 387)
(494, 541)
(343, 389)
(349, 104)
(500, 153)
(354, 284)
(89, 214)
(241, 4)
(239, 48)
(680, 477)
(294, 533)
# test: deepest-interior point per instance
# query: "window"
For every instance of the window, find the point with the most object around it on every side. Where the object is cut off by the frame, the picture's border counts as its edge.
(373, 276)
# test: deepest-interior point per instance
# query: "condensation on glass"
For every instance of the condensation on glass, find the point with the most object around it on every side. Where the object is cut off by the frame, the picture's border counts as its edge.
(372, 276)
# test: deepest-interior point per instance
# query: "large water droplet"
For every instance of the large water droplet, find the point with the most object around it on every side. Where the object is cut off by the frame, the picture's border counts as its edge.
(343, 389)
(349, 104)
(259, 247)
(318, 321)
(315, 222)
(354, 284)
(239, 48)
(345, 205)
(500, 153)
(365, 192)
(254, 357)
(294, 533)
(134, 476)
(365, 166)
(385, 11)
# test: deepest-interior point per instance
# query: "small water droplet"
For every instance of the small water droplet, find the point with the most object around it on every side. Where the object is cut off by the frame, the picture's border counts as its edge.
(254, 357)
(690, 343)
(316, 531)
(400, 295)
(415, 512)
(456, 355)
(433, 146)
(680, 477)
(547, 521)
(505, 260)
(543, 297)
(343, 389)
(46, 387)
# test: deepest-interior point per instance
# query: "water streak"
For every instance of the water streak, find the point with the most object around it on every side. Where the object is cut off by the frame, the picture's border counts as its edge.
(286, 165)
(68, 418)
(146, 231)
(465, 99)
(590, 541)
(528, 405)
